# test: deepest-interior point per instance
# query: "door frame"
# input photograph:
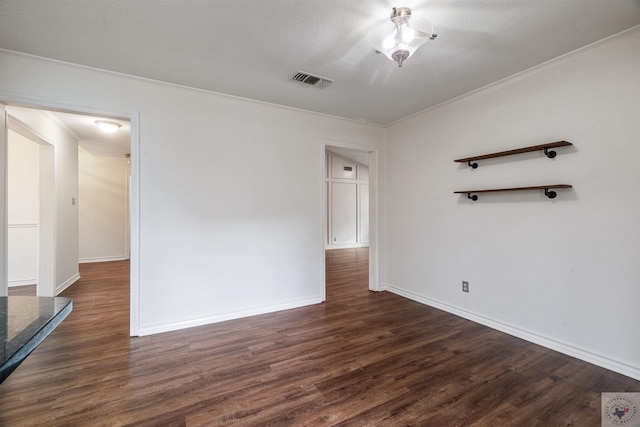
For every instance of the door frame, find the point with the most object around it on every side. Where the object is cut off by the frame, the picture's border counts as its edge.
(134, 202)
(4, 223)
(374, 210)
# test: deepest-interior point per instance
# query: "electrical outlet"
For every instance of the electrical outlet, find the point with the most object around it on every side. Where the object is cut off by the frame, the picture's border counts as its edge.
(465, 286)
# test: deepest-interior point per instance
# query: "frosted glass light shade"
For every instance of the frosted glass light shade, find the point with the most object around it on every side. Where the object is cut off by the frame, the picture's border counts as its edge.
(401, 35)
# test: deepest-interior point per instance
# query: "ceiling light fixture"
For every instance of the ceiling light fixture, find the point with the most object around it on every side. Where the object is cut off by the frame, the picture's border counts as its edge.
(398, 39)
(107, 126)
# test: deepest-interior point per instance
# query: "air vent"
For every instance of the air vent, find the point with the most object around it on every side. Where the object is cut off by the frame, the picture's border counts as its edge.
(312, 80)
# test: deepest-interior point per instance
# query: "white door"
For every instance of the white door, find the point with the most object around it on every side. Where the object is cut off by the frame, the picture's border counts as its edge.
(344, 213)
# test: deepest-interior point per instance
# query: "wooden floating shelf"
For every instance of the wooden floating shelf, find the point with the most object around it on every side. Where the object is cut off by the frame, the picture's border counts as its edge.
(550, 194)
(544, 147)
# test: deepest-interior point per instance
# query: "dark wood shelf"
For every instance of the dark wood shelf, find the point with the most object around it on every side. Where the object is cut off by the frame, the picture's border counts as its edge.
(550, 194)
(544, 147)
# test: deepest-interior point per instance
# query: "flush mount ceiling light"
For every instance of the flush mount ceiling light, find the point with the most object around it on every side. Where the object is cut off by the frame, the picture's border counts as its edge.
(107, 126)
(397, 38)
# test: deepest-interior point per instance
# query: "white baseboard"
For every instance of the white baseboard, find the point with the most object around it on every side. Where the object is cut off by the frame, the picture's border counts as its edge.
(149, 330)
(103, 259)
(620, 367)
(73, 279)
(23, 282)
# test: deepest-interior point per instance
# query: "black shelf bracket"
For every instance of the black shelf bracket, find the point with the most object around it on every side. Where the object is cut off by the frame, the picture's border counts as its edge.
(550, 193)
(549, 153)
(472, 197)
(473, 165)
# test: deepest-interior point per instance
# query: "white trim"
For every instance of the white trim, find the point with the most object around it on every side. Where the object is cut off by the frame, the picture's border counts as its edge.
(103, 259)
(134, 225)
(23, 225)
(73, 279)
(127, 209)
(374, 220)
(23, 282)
(624, 368)
(4, 218)
(324, 215)
(167, 327)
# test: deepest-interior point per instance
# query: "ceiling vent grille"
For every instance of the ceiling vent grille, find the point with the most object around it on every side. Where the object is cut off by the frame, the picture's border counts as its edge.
(312, 80)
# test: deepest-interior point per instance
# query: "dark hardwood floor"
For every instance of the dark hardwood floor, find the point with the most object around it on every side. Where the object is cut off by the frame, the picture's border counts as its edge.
(360, 359)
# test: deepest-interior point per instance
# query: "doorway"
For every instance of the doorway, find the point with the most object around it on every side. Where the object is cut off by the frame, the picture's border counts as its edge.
(92, 171)
(347, 199)
(350, 211)
(70, 198)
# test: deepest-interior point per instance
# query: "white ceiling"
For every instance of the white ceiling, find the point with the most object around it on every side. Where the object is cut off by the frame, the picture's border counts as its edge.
(252, 48)
(361, 157)
(94, 140)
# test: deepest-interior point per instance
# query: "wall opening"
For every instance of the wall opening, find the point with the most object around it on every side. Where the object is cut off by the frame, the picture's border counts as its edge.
(129, 208)
(349, 187)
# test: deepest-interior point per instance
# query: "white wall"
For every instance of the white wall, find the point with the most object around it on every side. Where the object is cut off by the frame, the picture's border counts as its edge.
(563, 272)
(102, 206)
(22, 209)
(224, 229)
(66, 193)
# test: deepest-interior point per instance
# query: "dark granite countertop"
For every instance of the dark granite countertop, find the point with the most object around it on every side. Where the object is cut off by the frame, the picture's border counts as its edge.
(24, 323)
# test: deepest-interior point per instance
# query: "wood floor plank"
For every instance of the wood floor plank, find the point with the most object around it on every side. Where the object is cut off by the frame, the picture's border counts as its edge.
(360, 359)
(24, 290)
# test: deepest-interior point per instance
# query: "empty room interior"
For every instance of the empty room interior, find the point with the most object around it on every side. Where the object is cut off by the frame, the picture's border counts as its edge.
(280, 212)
